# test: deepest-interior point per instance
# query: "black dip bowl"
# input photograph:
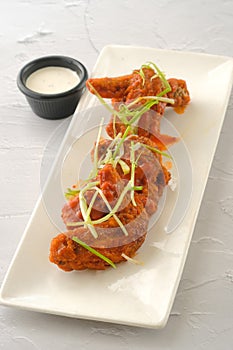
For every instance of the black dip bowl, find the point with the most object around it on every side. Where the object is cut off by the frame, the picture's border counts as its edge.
(53, 106)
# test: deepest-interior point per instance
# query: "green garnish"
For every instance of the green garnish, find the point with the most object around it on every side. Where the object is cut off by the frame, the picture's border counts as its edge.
(157, 151)
(113, 211)
(159, 74)
(162, 78)
(120, 143)
(137, 188)
(93, 251)
(71, 193)
(84, 210)
(110, 209)
(116, 207)
(109, 159)
(124, 166)
(134, 261)
(141, 73)
(95, 167)
(136, 114)
(101, 99)
(133, 166)
(156, 98)
(88, 212)
(114, 125)
(129, 116)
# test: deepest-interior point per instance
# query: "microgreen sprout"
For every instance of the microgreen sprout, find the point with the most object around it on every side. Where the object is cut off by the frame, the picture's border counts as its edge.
(109, 159)
(162, 78)
(129, 116)
(124, 166)
(159, 73)
(95, 163)
(110, 209)
(141, 73)
(120, 143)
(153, 98)
(136, 114)
(116, 207)
(133, 261)
(100, 98)
(88, 213)
(85, 210)
(71, 193)
(93, 251)
(133, 167)
(156, 150)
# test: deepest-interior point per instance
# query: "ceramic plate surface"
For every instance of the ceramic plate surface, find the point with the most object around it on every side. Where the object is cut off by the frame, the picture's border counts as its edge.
(131, 294)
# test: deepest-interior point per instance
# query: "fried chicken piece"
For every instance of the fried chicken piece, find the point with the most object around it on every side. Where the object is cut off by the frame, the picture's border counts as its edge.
(129, 87)
(149, 173)
(179, 93)
(110, 87)
(159, 174)
(148, 126)
(111, 187)
(111, 241)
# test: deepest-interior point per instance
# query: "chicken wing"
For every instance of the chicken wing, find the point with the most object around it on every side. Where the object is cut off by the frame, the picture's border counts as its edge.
(112, 215)
(129, 87)
(112, 241)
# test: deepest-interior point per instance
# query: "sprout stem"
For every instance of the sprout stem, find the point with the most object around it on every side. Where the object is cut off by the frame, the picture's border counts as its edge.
(133, 166)
(116, 207)
(157, 151)
(110, 209)
(93, 251)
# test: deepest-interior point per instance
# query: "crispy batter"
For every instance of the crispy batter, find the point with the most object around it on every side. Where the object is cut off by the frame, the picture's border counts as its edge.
(69, 255)
(129, 87)
(179, 92)
(111, 241)
(150, 174)
(148, 126)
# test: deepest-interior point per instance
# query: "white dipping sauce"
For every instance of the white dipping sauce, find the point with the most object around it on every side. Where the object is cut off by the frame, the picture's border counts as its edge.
(52, 80)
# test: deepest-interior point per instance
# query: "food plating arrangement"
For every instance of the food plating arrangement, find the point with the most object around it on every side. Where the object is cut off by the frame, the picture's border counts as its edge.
(107, 215)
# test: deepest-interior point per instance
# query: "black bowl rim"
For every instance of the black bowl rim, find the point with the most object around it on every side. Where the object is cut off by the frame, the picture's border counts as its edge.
(63, 61)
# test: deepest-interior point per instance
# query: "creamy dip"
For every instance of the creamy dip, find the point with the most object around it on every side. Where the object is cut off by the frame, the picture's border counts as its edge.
(52, 80)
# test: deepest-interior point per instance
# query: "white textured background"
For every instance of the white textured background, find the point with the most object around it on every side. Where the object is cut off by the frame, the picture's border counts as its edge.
(202, 315)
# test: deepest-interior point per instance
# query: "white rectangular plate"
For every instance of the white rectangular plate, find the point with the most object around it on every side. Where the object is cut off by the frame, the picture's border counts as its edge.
(132, 295)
